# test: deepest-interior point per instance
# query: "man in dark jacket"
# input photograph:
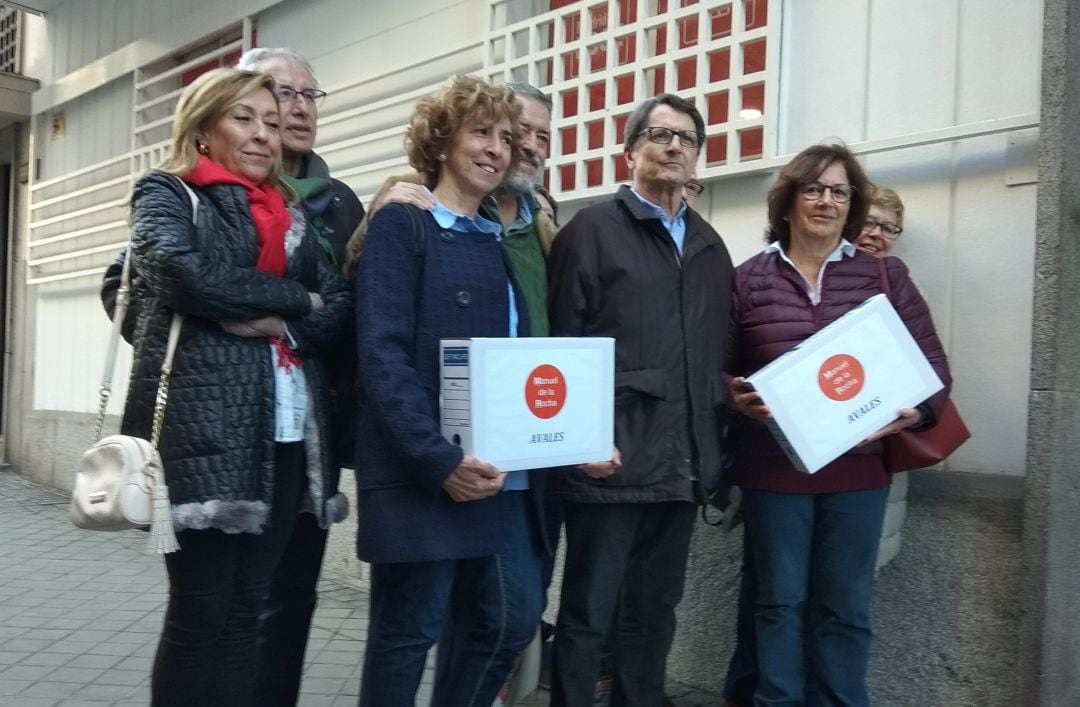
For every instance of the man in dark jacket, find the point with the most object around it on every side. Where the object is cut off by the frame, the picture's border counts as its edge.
(334, 213)
(650, 272)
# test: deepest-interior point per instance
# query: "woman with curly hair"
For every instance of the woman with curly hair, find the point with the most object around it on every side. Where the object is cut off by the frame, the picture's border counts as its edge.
(454, 559)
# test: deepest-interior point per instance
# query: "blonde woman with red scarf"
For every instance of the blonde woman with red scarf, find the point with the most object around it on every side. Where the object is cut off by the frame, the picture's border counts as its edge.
(244, 442)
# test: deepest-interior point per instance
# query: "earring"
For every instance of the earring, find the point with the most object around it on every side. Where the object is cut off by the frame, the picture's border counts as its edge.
(202, 148)
(442, 158)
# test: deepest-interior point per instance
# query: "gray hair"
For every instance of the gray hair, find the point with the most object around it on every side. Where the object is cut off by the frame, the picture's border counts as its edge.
(530, 91)
(636, 123)
(253, 59)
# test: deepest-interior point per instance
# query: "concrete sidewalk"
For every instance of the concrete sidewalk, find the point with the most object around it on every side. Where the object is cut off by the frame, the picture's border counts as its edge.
(80, 615)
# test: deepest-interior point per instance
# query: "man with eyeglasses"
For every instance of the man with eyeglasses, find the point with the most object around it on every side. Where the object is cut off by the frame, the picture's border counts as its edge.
(647, 270)
(333, 211)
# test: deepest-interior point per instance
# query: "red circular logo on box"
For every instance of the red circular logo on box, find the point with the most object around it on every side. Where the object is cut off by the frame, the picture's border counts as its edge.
(545, 391)
(841, 377)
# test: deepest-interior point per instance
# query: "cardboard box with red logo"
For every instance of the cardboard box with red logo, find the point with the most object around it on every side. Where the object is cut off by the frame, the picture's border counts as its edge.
(529, 403)
(843, 383)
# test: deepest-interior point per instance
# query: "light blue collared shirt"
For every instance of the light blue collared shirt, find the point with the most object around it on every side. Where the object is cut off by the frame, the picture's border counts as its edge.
(675, 226)
(846, 248)
(453, 221)
(515, 480)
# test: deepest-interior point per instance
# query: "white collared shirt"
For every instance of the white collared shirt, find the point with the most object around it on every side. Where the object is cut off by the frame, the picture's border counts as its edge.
(846, 248)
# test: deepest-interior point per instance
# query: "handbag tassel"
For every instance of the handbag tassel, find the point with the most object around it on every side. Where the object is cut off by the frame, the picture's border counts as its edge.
(162, 535)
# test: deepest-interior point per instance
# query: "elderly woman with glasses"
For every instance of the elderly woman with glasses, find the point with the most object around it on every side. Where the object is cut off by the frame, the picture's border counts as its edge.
(812, 539)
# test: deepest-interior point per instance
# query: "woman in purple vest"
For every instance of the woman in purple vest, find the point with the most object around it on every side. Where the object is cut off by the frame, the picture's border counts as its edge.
(814, 538)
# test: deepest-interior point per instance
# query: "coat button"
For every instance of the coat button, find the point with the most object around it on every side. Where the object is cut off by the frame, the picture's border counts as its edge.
(463, 298)
(447, 236)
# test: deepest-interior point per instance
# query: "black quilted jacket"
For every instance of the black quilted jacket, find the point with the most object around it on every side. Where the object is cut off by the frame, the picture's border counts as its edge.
(217, 444)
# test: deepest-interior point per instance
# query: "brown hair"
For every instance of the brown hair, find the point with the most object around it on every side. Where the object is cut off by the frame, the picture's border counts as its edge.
(886, 198)
(806, 167)
(436, 120)
(202, 104)
(356, 241)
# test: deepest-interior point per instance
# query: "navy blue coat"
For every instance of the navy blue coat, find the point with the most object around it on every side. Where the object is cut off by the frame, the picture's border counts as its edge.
(408, 298)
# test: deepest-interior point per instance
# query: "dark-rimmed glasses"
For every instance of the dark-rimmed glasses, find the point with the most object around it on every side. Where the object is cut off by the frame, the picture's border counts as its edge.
(889, 230)
(662, 136)
(694, 187)
(813, 191)
(287, 94)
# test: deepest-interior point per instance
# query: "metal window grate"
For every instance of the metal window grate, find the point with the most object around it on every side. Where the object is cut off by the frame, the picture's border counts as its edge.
(10, 24)
(598, 60)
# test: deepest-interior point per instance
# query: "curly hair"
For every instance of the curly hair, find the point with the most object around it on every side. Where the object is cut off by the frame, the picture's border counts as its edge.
(436, 120)
(806, 167)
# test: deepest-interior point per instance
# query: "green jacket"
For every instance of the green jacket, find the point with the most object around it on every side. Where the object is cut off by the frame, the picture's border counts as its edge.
(529, 260)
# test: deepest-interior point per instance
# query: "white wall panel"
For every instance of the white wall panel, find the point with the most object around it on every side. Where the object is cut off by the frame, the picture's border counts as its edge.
(71, 332)
(1000, 58)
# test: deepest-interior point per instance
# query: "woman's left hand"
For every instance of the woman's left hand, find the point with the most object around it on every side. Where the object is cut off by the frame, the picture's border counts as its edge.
(908, 417)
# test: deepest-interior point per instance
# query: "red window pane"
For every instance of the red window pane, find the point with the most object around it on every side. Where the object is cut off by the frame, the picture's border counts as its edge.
(594, 173)
(624, 89)
(753, 98)
(720, 65)
(545, 34)
(597, 57)
(545, 72)
(596, 134)
(655, 80)
(687, 3)
(754, 56)
(622, 170)
(598, 18)
(620, 129)
(716, 150)
(721, 22)
(717, 108)
(756, 13)
(627, 11)
(687, 29)
(626, 49)
(571, 65)
(686, 73)
(660, 7)
(556, 4)
(569, 102)
(750, 142)
(568, 137)
(572, 27)
(656, 40)
(597, 97)
(566, 177)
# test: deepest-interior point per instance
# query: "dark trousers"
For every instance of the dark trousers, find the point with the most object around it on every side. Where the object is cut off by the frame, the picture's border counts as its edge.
(482, 612)
(742, 673)
(286, 618)
(217, 583)
(633, 553)
(815, 556)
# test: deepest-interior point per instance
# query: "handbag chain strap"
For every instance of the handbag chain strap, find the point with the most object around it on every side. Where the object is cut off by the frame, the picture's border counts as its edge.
(123, 298)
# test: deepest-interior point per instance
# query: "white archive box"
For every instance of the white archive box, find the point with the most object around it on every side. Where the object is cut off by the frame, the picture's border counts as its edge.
(529, 403)
(843, 383)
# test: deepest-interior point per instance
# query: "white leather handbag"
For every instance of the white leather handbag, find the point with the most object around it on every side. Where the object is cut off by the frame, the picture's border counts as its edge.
(120, 482)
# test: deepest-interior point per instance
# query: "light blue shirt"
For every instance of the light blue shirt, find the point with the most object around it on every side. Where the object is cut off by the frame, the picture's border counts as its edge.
(515, 480)
(675, 226)
(846, 248)
(453, 221)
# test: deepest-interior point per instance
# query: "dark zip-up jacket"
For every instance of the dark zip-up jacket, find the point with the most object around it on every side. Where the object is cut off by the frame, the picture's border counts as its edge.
(615, 271)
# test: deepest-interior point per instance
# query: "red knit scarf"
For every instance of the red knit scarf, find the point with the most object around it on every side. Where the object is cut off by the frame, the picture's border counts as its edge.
(268, 210)
(272, 221)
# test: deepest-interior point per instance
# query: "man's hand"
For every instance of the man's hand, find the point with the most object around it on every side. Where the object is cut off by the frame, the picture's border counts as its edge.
(251, 328)
(405, 193)
(599, 470)
(473, 480)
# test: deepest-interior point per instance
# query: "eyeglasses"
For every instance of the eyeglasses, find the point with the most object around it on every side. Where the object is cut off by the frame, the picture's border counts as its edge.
(662, 136)
(694, 187)
(889, 230)
(815, 190)
(288, 94)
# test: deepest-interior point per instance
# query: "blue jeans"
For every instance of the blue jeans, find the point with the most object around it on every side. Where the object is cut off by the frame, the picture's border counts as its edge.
(815, 556)
(482, 611)
(286, 619)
